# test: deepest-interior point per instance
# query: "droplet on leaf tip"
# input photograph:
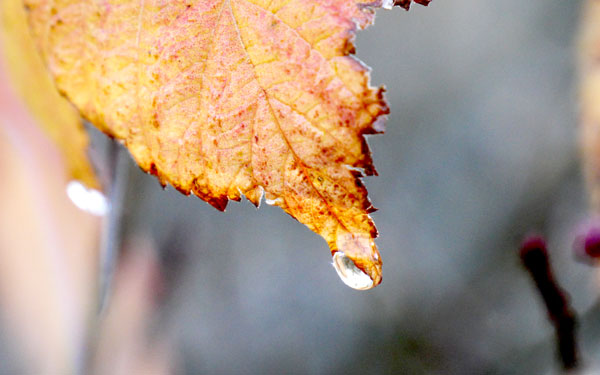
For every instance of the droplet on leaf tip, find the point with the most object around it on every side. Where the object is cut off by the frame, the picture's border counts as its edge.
(88, 200)
(350, 274)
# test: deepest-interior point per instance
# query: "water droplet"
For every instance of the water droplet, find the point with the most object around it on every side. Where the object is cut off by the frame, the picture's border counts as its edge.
(351, 275)
(88, 200)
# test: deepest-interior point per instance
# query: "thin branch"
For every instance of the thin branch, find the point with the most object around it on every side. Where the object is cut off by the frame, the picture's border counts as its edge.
(110, 240)
(534, 256)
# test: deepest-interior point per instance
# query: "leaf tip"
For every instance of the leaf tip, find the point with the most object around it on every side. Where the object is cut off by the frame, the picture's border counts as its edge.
(357, 260)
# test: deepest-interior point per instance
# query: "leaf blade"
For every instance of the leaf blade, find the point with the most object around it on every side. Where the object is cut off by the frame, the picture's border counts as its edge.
(224, 98)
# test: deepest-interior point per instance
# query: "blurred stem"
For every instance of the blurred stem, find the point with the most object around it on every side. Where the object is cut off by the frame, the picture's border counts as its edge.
(534, 358)
(110, 240)
(535, 258)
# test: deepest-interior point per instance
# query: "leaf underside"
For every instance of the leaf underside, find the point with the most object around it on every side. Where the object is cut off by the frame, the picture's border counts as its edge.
(224, 98)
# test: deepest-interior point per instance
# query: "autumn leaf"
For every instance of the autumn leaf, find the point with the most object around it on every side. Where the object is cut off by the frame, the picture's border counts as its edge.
(589, 70)
(30, 79)
(406, 3)
(224, 98)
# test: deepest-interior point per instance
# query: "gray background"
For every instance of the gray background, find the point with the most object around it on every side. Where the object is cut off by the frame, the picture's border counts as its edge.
(480, 149)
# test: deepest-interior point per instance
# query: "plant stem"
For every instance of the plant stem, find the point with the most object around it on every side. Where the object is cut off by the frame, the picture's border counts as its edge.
(534, 256)
(110, 240)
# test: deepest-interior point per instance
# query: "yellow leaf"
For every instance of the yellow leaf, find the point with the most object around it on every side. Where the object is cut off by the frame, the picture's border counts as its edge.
(589, 64)
(225, 98)
(30, 79)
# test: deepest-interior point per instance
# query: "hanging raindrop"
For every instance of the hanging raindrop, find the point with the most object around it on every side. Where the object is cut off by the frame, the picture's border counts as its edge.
(88, 200)
(351, 275)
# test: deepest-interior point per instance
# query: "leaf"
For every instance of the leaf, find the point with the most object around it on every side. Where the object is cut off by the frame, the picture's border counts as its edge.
(589, 67)
(406, 3)
(30, 79)
(225, 98)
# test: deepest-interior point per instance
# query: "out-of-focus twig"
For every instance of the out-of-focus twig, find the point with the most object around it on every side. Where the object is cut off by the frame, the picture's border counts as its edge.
(111, 227)
(534, 256)
(128, 340)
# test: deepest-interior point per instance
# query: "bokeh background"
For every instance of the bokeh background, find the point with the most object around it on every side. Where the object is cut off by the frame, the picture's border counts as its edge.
(480, 150)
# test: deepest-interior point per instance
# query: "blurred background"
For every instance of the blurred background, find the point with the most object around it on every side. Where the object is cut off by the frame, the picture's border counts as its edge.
(480, 150)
